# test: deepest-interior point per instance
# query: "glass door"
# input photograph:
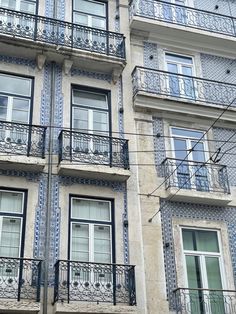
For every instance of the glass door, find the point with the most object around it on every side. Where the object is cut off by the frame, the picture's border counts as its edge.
(175, 14)
(203, 270)
(91, 14)
(180, 82)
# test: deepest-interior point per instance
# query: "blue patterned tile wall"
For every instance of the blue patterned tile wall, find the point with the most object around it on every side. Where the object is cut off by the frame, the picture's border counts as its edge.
(150, 55)
(221, 135)
(226, 7)
(169, 210)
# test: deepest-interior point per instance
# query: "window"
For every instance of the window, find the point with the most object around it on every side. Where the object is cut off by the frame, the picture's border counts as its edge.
(91, 237)
(204, 270)
(15, 101)
(190, 173)
(27, 6)
(180, 82)
(90, 114)
(175, 12)
(92, 14)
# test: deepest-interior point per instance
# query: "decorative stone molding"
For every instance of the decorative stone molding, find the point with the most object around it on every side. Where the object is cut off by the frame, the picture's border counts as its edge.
(11, 306)
(40, 59)
(67, 65)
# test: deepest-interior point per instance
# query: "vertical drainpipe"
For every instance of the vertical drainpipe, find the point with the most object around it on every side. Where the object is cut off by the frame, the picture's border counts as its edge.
(49, 188)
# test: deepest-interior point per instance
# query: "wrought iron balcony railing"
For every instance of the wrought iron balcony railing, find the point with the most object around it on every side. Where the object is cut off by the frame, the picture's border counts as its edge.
(88, 148)
(198, 176)
(20, 278)
(178, 87)
(22, 139)
(205, 301)
(94, 282)
(186, 16)
(43, 29)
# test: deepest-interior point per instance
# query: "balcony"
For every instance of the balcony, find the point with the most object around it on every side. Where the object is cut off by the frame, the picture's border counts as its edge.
(94, 282)
(17, 141)
(63, 37)
(93, 155)
(187, 24)
(20, 282)
(205, 301)
(196, 182)
(172, 88)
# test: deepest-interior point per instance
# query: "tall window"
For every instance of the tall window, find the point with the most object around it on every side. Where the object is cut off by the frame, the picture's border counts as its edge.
(190, 173)
(92, 14)
(91, 230)
(175, 14)
(15, 100)
(11, 223)
(90, 114)
(180, 82)
(204, 270)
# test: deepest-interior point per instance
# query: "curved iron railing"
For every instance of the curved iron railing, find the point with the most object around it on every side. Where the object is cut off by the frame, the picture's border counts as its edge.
(186, 16)
(22, 139)
(179, 86)
(94, 282)
(198, 176)
(43, 29)
(88, 148)
(199, 301)
(20, 278)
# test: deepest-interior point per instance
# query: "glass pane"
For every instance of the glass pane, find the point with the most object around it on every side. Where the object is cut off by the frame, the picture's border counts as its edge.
(20, 112)
(194, 281)
(3, 107)
(179, 59)
(172, 68)
(89, 209)
(15, 85)
(187, 133)
(99, 23)
(198, 152)
(10, 237)
(88, 99)
(80, 119)
(81, 19)
(80, 242)
(100, 122)
(9, 4)
(188, 239)
(207, 241)
(11, 202)
(180, 149)
(28, 7)
(187, 70)
(216, 298)
(90, 7)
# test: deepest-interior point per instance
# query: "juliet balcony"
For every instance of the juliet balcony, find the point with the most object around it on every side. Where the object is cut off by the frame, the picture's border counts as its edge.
(20, 284)
(165, 90)
(79, 283)
(198, 301)
(90, 44)
(188, 25)
(22, 145)
(196, 182)
(93, 156)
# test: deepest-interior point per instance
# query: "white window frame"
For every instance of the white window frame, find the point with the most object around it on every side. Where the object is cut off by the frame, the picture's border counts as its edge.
(190, 159)
(202, 256)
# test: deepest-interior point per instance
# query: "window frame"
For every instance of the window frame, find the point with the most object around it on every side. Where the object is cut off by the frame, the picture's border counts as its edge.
(18, 3)
(30, 97)
(96, 91)
(99, 1)
(167, 52)
(93, 223)
(202, 255)
(21, 215)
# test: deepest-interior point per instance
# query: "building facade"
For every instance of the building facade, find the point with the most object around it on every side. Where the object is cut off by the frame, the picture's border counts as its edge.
(117, 171)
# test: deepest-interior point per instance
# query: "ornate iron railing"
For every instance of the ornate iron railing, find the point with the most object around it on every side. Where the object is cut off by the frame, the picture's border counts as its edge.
(94, 282)
(52, 31)
(178, 87)
(88, 148)
(193, 175)
(20, 278)
(22, 139)
(186, 16)
(205, 301)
